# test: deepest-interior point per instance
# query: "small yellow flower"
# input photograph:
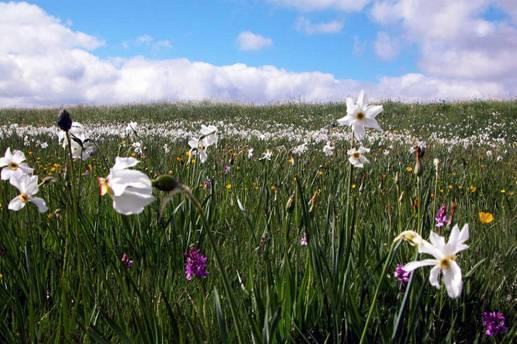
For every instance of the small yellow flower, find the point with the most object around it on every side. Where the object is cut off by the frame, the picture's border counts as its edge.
(1, 276)
(503, 191)
(486, 217)
(409, 169)
(451, 186)
(228, 186)
(193, 161)
(274, 188)
(188, 154)
(354, 186)
(473, 189)
(290, 161)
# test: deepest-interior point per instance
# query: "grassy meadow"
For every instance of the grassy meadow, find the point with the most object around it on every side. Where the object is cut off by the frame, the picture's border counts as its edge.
(300, 247)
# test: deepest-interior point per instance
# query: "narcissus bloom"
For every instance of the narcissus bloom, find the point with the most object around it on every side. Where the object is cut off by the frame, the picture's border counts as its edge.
(12, 165)
(266, 155)
(486, 217)
(444, 262)
(131, 190)
(197, 147)
(328, 149)
(356, 156)
(82, 146)
(209, 135)
(360, 115)
(28, 187)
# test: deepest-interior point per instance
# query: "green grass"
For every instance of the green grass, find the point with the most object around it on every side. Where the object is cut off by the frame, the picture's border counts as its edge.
(63, 281)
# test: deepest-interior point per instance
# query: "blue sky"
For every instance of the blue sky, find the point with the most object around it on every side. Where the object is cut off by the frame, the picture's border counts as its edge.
(380, 45)
(207, 31)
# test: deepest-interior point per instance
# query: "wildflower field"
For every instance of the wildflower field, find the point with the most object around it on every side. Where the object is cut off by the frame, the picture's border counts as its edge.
(337, 223)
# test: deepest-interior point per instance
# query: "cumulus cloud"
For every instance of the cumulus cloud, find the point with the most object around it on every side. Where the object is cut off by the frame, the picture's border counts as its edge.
(312, 5)
(386, 47)
(454, 38)
(43, 62)
(307, 26)
(249, 41)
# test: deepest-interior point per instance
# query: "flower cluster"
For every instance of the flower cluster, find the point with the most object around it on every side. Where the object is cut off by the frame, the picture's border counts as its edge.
(360, 115)
(19, 174)
(195, 263)
(494, 323)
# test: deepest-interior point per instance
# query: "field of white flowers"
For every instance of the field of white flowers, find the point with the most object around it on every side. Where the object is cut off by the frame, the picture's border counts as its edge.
(332, 223)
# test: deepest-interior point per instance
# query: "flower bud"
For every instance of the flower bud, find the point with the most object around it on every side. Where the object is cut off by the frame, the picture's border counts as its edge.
(64, 121)
(166, 183)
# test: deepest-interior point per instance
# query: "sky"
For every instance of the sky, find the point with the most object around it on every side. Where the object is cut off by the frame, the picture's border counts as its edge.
(56, 53)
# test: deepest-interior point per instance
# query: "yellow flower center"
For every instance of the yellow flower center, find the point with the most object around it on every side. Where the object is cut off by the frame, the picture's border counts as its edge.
(24, 197)
(104, 187)
(445, 262)
(12, 166)
(360, 115)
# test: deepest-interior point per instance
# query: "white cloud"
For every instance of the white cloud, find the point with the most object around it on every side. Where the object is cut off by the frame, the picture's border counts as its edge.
(315, 5)
(57, 66)
(455, 40)
(251, 41)
(307, 26)
(26, 28)
(386, 47)
(149, 42)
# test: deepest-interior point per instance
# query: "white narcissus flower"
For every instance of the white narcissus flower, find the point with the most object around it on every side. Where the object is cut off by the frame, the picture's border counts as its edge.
(328, 149)
(12, 165)
(208, 138)
(360, 115)
(82, 146)
(28, 187)
(131, 190)
(444, 261)
(250, 153)
(197, 147)
(266, 155)
(356, 156)
(209, 135)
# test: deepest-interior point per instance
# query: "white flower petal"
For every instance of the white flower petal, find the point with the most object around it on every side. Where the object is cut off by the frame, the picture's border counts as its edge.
(362, 100)
(124, 163)
(131, 203)
(358, 130)
(16, 204)
(373, 110)
(418, 264)
(434, 277)
(437, 240)
(426, 247)
(203, 156)
(371, 123)
(40, 203)
(18, 156)
(452, 279)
